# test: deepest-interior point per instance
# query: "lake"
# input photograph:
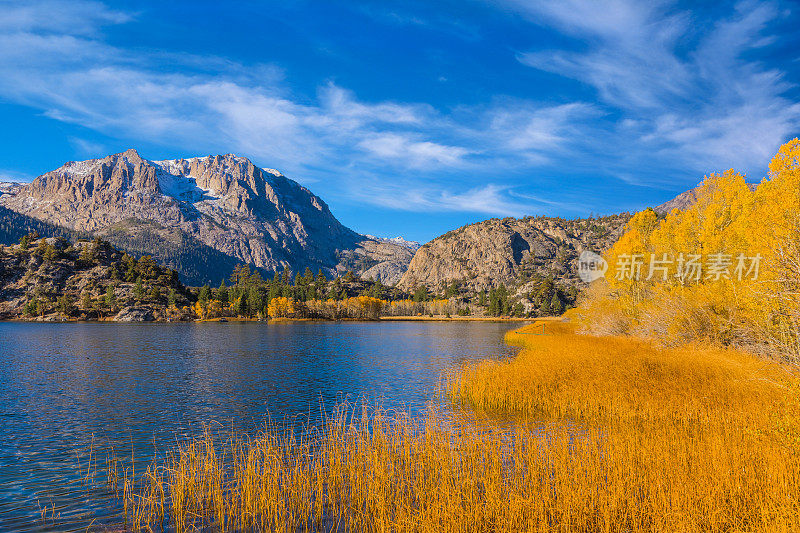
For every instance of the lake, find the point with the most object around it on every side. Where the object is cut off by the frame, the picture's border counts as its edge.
(68, 390)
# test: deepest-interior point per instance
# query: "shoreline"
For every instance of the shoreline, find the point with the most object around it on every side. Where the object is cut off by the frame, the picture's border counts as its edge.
(443, 318)
(223, 320)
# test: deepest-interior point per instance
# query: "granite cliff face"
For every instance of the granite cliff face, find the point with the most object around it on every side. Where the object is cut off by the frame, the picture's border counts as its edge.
(510, 251)
(222, 204)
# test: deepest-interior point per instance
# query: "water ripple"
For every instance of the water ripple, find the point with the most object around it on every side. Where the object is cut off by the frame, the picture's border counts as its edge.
(71, 391)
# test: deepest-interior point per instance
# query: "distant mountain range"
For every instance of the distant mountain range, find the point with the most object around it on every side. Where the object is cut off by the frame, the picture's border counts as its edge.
(202, 216)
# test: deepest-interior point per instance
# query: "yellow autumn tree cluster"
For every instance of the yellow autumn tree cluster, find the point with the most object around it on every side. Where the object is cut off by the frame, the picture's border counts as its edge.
(357, 307)
(281, 307)
(725, 270)
(430, 307)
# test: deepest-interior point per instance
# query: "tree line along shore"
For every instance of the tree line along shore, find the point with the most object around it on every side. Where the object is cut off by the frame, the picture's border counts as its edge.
(53, 279)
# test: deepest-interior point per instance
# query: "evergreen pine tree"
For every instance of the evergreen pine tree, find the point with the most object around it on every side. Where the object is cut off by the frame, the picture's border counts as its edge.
(308, 276)
(421, 294)
(222, 293)
(86, 300)
(493, 308)
(138, 290)
(110, 297)
(255, 301)
(204, 295)
(556, 306)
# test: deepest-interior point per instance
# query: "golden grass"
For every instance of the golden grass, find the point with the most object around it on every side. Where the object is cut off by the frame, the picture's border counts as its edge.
(374, 473)
(613, 435)
(690, 439)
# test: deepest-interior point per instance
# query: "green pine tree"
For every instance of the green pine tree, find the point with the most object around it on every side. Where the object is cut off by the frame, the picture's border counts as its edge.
(222, 293)
(138, 290)
(111, 296)
(204, 296)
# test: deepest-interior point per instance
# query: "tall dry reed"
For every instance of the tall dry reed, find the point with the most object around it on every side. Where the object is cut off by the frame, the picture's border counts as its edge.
(690, 439)
(610, 435)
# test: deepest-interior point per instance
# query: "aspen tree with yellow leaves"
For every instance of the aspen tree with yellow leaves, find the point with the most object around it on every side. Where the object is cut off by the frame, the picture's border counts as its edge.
(724, 270)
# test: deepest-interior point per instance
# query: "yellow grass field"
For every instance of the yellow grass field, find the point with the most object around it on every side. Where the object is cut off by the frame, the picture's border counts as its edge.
(609, 434)
(685, 439)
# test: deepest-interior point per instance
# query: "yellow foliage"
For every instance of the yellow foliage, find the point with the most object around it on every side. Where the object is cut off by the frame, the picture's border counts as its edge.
(281, 307)
(650, 422)
(747, 245)
(615, 436)
(215, 309)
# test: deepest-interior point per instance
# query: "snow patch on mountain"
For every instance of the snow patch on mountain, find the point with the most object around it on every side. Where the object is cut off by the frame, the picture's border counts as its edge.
(174, 182)
(80, 169)
(400, 241)
(276, 173)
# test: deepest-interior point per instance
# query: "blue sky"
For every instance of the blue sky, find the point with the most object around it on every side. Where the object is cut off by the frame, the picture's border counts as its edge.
(411, 117)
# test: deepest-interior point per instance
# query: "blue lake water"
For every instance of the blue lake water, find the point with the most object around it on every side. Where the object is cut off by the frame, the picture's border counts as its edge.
(66, 389)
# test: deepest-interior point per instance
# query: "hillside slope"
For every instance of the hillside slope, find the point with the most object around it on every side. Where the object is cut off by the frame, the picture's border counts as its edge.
(52, 279)
(199, 212)
(510, 251)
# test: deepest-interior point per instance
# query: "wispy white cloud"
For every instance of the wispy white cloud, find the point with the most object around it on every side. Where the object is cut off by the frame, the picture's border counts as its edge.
(88, 148)
(490, 199)
(78, 17)
(394, 146)
(72, 74)
(691, 98)
(536, 132)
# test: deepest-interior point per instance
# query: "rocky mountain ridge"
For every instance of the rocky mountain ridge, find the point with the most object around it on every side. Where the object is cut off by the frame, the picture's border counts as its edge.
(222, 204)
(510, 251)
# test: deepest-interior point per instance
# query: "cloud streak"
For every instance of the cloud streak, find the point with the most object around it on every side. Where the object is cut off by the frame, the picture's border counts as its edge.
(672, 101)
(491, 199)
(691, 101)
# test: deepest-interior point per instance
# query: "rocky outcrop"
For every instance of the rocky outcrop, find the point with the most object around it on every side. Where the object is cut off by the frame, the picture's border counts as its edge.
(135, 314)
(384, 260)
(680, 202)
(223, 203)
(51, 279)
(510, 251)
